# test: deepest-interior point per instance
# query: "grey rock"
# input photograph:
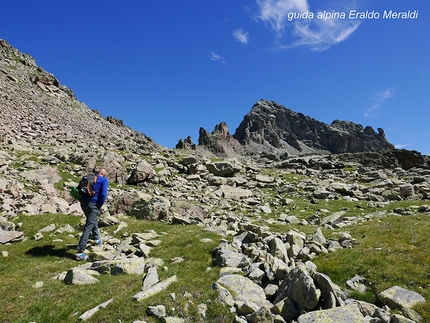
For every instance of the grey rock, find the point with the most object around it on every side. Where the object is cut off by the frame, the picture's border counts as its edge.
(201, 309)
(383, 314)
(318, 237)
(157, 209)
(264, 179)
(275, 268)
(300, 288)
(398, 298)
(158, 311)
(223, 168)
(155, 289)
(173, 319)
(279, 250)
(334, 218)
(286, 309)
(345, 314)
(143, 172)
(247, 295)
(10, 236)
(402, 299)
(291, 219)
(88, 314)
(229, 192)
(224, 295)
(358, 283)
(228, 258)
(330, 292)
(256, 275)
(78, 277)
(150, 278)
(397, 318)
(262, 315)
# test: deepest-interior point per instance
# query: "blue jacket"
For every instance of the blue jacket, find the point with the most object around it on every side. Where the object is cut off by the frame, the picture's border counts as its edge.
(101, 189)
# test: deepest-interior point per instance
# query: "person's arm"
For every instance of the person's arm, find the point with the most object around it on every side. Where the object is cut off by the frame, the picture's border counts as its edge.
(102, 195)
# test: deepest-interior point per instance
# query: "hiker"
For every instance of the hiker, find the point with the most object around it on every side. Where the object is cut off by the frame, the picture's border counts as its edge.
(91, 207)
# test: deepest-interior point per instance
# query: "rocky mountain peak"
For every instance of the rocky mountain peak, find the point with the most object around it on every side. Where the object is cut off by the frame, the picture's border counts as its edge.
(271, 128)
(220, 142)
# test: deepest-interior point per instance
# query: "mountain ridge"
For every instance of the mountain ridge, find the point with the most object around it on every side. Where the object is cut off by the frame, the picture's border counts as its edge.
(270, 127)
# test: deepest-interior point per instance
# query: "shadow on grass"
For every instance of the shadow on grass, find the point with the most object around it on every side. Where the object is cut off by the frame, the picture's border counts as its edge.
(49, 250)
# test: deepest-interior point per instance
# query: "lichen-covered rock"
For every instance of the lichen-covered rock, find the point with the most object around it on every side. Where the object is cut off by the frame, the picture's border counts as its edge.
(300, 288)
(155, 289)
(76, 276)
(247, 295)
(401, 299)
(345, 314)
(397, 297)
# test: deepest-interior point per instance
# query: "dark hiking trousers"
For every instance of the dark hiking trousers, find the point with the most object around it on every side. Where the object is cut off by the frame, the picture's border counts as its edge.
(91, 224)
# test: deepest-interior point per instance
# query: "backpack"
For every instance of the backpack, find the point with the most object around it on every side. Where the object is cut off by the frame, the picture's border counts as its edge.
(85, 187)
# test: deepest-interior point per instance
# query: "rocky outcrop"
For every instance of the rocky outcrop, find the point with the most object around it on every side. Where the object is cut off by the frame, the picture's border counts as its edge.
(186, 144)
(271, 278)
(271, 127)
(220, 142)
(397, 158)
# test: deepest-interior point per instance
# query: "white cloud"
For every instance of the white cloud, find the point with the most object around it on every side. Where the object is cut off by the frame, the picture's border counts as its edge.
(322, 34)
(369, 112)
(241, 35)
(318, 34)
(275, 12)
(217, 58)
(387, 94)
(379, 99)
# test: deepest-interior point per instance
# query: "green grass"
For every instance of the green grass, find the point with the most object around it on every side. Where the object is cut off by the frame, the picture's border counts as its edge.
(65, 177)
(393, 250)
(31, 261)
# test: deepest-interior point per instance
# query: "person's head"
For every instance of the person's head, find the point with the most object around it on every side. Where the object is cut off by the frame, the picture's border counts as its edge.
(102, 172)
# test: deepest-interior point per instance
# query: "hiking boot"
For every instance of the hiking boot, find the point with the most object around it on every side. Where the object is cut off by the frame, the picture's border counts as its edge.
(99, 242)
(81, 256)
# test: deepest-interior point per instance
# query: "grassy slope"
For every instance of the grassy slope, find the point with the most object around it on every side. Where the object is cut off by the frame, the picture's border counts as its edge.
(393, 250)
(31, 261)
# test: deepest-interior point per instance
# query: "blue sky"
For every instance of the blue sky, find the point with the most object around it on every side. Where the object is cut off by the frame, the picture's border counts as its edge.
(168, 67)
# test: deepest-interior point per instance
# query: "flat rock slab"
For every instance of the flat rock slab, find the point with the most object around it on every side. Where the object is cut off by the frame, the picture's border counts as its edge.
(10, 236)
(77, 276)
(399, 298)
(155, 289)
(88, 314)
(229, 192)
(345, 314)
